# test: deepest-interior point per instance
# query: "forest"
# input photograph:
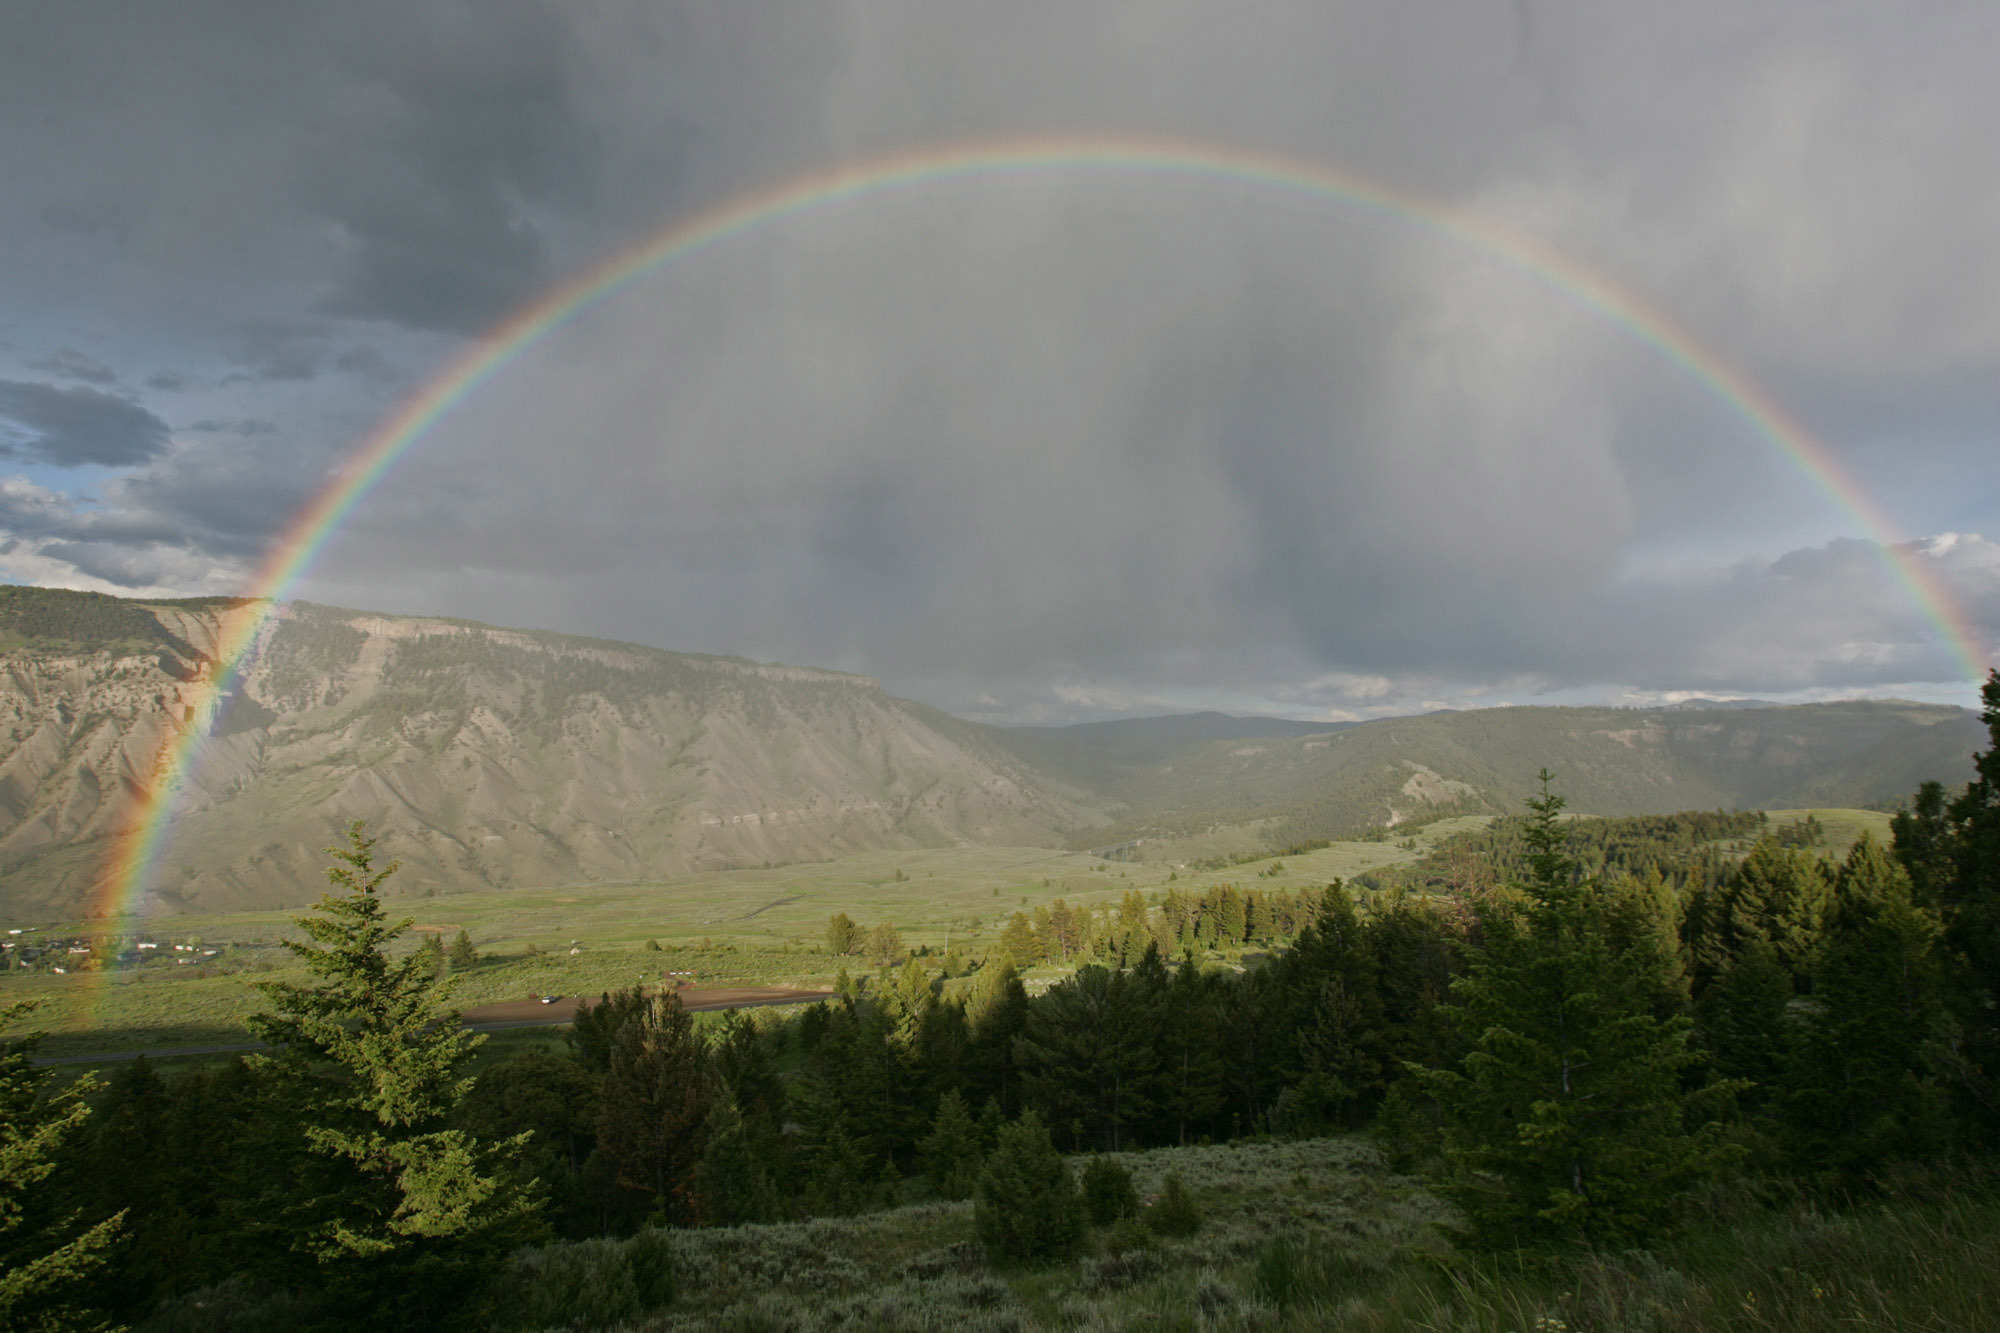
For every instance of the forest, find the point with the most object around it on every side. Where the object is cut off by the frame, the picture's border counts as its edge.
(1581, 1048)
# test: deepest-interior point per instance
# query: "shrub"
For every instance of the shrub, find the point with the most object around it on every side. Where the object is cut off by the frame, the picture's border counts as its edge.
(1173, 1213)
(1107, 1192)
(591, 1283)
(1027, 1206)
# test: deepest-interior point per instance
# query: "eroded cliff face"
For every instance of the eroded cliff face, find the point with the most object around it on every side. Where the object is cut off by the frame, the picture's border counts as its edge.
(481, 756)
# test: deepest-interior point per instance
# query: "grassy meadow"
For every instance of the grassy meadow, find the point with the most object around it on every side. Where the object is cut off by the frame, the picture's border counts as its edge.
(752, 926)
(740, 926)
(1321, 1234)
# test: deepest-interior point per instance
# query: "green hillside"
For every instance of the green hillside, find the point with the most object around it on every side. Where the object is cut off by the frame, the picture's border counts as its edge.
(1610, 761)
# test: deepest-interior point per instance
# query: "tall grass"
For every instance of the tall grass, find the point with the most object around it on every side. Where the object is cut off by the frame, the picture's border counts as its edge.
(1320, 1234)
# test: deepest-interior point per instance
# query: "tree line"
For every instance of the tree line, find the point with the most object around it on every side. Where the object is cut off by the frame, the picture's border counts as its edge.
(1571, 1054)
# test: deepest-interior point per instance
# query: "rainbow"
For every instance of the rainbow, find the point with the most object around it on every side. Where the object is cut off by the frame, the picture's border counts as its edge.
(122, 886)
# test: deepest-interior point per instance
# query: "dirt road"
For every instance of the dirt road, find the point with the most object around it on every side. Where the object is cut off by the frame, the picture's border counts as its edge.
(534, 1013)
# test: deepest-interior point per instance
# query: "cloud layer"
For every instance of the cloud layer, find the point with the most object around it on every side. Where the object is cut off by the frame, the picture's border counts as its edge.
(1054, 443)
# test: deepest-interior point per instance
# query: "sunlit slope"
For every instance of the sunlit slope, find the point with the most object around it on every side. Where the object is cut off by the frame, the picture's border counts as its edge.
(1606, 761)
(484, 757)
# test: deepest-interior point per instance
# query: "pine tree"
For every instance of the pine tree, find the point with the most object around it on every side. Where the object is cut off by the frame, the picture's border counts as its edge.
(654, 1104)
(842, 935)
(463, 954)
(1090, 1053)
(732, 1179)
(952, 1153)
(378, 1065)
(1951, 849)
(1863, 1085)
(44, 1259)
(1570, 1116)
(1018, 942)
(996, 1012)
(1027, 1207)
(1191, 1053)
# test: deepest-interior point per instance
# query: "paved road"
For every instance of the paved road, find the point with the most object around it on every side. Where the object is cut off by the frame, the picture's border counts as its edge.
(491, 1018)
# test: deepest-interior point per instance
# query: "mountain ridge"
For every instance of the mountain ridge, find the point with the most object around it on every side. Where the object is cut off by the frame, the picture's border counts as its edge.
(486, 757)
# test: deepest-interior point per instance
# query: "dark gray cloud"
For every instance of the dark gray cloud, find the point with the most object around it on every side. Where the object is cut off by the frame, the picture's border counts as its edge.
(76, 427)
(1056, 440)
(242, 426)
(278, 349)
(69, 363)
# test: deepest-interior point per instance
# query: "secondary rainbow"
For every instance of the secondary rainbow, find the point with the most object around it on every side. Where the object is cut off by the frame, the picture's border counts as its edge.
(124, 883)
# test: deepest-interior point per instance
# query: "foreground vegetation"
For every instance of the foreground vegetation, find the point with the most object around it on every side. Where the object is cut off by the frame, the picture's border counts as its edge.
(1683, 1095)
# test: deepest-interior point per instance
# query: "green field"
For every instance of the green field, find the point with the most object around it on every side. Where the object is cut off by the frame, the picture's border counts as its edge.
(726, 927)
(739, 926)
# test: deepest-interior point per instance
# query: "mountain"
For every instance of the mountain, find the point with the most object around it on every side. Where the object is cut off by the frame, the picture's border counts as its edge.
(482, 756)
(1320, 782)
(496, 757)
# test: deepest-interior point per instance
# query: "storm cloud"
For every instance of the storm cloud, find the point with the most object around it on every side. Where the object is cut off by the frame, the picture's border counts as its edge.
(76, 427)
(1052, 442)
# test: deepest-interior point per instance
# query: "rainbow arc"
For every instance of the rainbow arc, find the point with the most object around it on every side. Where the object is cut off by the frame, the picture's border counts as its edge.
(127, 875)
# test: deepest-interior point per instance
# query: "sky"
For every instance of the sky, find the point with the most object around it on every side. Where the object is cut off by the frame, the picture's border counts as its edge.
(1050, 444)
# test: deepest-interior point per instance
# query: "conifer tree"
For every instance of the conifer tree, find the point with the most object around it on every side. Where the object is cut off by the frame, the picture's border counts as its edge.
(1027, 1207)
(463, 954)
(1018, 942)
(1090, 1053)
(430, 953)
(952, 1154)
(1863, 1085)
(733, 1181)
(44, 1259)
(1951, 849)
(1570, 1117)
(654, 1106)
(1333, 1016)
(1191, 1053)
(996, 1012)
(377, 1065)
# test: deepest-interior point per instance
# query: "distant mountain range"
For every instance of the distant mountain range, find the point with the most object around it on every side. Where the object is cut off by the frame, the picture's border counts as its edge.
(495, 757)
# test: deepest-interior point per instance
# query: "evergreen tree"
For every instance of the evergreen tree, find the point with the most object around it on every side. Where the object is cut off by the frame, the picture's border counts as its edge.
(654, 1105)
(1570, 1115)
(733, 1181)
(1333, 1017)
(1952, 852)
(1108, 1195)
(1090, 1053)
(842, 935)
(430, 954)
(1191, 1065)
(1027, 1208)
(1018, 942)
(45, 1255)
(553, 1099)
(463, 954)
(996, 1011)
(1864, 1052)
(378, 1065)
(952, 1154)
